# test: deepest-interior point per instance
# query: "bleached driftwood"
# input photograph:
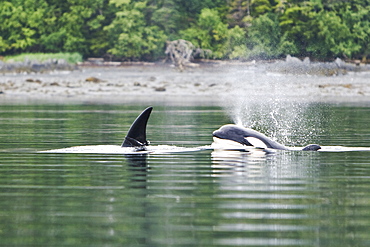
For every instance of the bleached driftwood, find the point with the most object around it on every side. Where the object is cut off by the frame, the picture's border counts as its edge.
(181, 52)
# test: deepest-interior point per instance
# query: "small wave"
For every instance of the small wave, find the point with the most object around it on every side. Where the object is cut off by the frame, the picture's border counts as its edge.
(115, 149)
(163, 149)
(342, 149)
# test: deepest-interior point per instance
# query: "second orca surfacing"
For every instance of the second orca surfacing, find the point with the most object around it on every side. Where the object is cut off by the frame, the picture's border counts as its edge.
(235, 137)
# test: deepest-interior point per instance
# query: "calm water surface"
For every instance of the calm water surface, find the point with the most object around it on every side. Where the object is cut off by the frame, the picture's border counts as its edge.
(185, 199)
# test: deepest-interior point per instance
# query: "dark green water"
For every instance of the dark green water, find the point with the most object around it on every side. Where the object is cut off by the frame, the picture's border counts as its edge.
(183, 199)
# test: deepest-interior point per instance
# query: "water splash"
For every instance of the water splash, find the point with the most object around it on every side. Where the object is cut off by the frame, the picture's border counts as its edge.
(262, 101)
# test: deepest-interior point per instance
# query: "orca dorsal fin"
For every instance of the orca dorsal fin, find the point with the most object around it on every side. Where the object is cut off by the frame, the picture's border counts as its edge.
(136, 136)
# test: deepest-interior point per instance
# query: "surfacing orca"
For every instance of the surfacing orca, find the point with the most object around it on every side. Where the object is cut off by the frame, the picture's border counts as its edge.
(229, 137)
(232, 136)
(136, 136)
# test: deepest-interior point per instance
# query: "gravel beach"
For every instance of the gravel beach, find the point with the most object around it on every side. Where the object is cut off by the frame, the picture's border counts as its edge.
(162, 83)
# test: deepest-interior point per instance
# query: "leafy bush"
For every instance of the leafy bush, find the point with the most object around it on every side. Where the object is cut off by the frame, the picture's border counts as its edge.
(208, 33)
(129, 35)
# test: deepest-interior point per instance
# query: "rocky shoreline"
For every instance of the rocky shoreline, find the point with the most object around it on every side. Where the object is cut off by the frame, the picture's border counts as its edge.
(293, 65)
(31, 66)
(290, 65)
(211, 82)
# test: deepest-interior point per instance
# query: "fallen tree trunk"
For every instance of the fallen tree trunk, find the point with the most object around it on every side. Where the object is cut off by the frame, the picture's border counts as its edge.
(181, 52)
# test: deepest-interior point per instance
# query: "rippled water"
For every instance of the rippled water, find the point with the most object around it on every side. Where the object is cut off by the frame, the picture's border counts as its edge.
(203, 198)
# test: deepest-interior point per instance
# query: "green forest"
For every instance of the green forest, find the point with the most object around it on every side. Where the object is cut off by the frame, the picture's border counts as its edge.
(131, 30)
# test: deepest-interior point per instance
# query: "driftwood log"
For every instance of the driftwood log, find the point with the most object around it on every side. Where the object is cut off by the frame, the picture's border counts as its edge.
(182, 52)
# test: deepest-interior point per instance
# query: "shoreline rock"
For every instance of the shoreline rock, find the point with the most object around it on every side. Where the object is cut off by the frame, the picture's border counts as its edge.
(295, 66)
(33, 66)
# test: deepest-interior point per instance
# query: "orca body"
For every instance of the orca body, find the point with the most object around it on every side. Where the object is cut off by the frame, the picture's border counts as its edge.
(238, 137)
(136, 136)
(235, 137)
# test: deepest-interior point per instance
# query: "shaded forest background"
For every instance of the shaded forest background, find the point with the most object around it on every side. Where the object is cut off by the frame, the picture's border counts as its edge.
(230, 29)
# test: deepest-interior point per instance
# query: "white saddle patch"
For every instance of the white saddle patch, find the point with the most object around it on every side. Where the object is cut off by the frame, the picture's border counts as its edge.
(219, 143)
(257, 143)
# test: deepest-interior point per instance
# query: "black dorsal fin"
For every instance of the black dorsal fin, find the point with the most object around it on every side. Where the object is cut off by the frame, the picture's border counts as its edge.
(136, 136)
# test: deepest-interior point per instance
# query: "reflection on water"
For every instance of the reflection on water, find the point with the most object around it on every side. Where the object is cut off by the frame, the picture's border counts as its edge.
(200, 198)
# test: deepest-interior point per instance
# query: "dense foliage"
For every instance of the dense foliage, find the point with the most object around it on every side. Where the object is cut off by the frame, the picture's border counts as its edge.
(233, 29)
